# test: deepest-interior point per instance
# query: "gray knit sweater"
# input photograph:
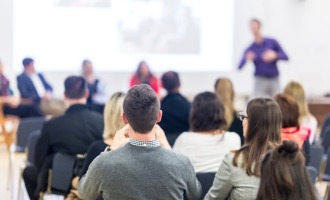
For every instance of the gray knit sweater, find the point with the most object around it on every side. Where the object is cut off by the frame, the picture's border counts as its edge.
(140, 173)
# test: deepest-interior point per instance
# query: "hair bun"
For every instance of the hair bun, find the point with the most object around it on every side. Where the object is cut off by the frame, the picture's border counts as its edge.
(290, 147)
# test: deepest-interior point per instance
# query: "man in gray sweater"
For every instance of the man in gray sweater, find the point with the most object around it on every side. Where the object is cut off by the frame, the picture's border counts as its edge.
(140, 165)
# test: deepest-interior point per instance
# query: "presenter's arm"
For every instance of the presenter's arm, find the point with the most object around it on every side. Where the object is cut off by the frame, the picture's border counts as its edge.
(248, 55)
(48, 87)
(281, 55)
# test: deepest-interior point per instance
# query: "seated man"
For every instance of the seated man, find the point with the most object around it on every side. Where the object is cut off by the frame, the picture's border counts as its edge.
(175, 108)
(141, 169)
(34, 89)
(71, 133)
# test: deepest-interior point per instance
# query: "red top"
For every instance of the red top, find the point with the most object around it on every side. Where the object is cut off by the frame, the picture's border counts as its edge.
(296, 134)
(153, 82)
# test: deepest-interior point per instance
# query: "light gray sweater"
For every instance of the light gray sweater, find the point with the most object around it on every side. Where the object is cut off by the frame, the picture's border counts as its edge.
(133, 172)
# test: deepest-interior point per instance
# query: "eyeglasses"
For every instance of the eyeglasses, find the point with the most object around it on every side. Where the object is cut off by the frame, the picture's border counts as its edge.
(242, 116)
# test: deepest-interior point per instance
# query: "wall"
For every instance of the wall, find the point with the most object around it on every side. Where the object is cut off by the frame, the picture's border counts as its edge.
(301, 26)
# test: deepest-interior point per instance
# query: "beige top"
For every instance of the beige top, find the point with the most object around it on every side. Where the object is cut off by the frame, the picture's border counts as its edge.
(233, 183)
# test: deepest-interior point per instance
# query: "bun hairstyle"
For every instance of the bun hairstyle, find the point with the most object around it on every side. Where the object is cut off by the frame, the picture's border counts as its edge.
(284, 175)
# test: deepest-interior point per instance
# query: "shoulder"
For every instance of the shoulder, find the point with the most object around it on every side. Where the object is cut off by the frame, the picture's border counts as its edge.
(97, 146)
(232, 136)
(21, 76)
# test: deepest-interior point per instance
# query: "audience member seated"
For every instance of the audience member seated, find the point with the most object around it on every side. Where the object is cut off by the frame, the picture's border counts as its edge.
(175, 108)
(284, 175)
(71, 133)
(306, 119)
(238, 175)
(96, 98)
(208, 143)
(140, 164)
(225, 90)
(10, 104)
(290, 124)
(34, 89)
(143, 75)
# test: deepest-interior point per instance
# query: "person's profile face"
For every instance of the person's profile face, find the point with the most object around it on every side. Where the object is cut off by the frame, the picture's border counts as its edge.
(31, 67)
(88, 68)
(255, 27)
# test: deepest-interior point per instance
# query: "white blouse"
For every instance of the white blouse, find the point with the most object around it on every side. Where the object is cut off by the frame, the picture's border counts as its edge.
(206, 151)
(310, 122)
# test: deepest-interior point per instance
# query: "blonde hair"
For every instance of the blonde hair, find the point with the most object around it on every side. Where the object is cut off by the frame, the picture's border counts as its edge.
(296, 90)
(225, 90)
(112, 115)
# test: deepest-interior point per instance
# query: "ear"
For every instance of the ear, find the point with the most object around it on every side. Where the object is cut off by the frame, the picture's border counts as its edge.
(123, 116)
(159, 117)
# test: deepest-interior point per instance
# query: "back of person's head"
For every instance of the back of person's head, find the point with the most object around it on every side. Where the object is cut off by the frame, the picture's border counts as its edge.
(75, 87)
(284, 175)
(296, 90)
(112, 115)
(289, 109)
(171, 81)
(225, 90)
(141, 108)
(207, 113)
(27, 61)
(263, 133)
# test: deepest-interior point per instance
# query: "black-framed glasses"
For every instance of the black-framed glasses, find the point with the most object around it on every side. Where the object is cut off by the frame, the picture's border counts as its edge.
(242, 116)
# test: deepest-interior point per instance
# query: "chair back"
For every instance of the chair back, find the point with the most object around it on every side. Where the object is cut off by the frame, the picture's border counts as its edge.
(206, 180)
(62, 173)
(326, 123)
(31, 144)
(316, 154)
(25, 128)
(313, 173)
(326, 139)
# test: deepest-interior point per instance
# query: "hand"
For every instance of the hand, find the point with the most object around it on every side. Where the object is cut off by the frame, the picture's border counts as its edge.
(161, 137)
(121, 138)
(250, 55)
(47, 96)
(13, 101)
(269, 56)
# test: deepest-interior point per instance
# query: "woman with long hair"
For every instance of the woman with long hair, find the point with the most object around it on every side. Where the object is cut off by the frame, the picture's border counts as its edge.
(238, 175)
(143, 75)
(306, 119)
(284, 175)
(225, 90)
(208, 142)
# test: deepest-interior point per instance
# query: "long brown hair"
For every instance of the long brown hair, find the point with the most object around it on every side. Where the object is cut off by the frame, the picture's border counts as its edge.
(139, 74)
(263, 133)
(284, 175)
(225, 90)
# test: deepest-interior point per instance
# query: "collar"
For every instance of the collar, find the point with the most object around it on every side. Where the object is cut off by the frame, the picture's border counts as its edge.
(147, 144)
(76, 107)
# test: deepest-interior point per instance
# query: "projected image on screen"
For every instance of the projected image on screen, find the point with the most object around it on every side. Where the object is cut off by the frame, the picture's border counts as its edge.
(172, 27)
(184, 35)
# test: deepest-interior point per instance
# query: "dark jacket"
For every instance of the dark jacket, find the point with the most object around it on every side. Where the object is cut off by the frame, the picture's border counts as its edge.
(71, 133)
(27, 89)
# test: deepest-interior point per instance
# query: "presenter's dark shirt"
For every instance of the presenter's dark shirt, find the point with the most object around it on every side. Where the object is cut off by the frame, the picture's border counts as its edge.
(262, 68)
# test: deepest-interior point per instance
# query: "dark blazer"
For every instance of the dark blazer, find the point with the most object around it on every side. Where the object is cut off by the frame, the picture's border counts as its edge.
(27, 89)
(175, 120)
(237, 127)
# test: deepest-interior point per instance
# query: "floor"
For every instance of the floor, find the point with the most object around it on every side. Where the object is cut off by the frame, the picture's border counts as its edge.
(11, 192)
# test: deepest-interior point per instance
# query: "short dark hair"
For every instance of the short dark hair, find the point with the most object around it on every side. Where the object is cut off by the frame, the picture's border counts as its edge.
(141, 107)
(27, 61)
(289, 109)
(75, 87)
(255, 20)
(207, 113)
(170, 81)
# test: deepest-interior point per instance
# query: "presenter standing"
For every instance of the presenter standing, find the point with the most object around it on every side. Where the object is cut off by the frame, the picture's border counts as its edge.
(264, 53)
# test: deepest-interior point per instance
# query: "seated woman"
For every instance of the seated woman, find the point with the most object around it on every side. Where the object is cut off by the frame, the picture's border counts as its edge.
(208, 143)
(284, 175)
(306, 119)
(290, 124)
(143, 75)
(238, 175)
(11, 105)
(225, 90)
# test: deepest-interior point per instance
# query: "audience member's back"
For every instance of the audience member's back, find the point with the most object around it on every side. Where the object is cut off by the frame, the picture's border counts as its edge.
(175, 108)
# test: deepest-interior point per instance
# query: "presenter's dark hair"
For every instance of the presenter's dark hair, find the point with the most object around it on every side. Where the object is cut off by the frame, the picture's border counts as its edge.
(207, 113)
(284, 175)
(75, 87)
(170, 81)
(27, 61)
(141, 108)
(255, 20)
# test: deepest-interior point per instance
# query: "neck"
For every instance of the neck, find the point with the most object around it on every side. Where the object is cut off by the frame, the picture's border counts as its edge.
(108, 141)
(258, 38)
(71, 102)
(28, 72)
(174, 91)
(212, 132)
(151, 136)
